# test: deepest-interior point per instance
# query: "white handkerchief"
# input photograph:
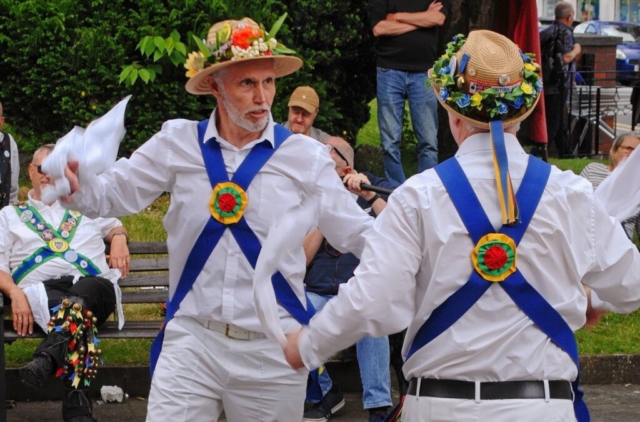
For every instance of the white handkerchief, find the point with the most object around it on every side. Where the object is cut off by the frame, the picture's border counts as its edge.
(620, 191)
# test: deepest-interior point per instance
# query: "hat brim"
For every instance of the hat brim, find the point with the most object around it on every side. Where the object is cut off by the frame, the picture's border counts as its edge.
(284, 65)
(308, 107)
(511, 121)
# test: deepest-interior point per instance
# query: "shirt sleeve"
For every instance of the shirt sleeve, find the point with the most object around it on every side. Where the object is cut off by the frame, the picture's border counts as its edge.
(107, 224)
(615, 273)
(5, 242)
(380, 298)
(377, 11)
(131, 184)
(15, 171)
(341, 220)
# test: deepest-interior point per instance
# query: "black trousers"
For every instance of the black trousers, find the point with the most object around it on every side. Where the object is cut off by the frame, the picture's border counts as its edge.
(96, 294)
(556, 128)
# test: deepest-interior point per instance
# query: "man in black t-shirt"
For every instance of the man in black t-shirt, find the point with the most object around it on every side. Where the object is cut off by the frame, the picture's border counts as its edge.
(407, 32)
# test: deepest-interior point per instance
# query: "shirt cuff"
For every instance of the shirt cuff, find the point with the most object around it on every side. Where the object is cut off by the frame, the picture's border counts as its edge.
(599, 304)
(307, 354)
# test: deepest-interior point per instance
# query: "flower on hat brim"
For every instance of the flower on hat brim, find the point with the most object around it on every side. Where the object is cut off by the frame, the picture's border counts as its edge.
(490, 103)
(245, 41)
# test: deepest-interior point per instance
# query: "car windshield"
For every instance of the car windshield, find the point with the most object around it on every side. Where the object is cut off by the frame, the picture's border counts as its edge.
(629, 34)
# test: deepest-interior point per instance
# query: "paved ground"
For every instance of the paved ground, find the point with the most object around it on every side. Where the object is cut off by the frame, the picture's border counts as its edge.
(608, 403)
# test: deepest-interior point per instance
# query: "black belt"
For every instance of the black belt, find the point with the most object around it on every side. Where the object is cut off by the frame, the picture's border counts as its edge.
(452, 389)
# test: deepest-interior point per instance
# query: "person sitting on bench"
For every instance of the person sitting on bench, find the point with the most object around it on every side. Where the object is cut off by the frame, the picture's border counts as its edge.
(54, 270)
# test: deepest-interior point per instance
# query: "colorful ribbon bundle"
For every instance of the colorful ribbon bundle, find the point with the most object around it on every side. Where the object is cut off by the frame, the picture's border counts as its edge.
(82, 355)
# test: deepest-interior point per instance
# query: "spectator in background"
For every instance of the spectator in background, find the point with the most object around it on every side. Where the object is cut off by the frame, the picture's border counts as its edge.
(9, 167)
(52, 258)
(327, 270)
(407, 32)
(559, 52)
(304, 105)
(622, 147)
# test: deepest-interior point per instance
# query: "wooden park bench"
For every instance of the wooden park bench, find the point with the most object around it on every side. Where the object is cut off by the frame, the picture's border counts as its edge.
(146, 283)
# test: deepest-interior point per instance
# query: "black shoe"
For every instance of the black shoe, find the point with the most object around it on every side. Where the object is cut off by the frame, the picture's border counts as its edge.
(377, 415)
(327, 407)
(77, 406)
(35, 373)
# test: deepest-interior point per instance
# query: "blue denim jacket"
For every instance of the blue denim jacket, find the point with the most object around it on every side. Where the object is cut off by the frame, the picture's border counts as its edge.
(329, 267)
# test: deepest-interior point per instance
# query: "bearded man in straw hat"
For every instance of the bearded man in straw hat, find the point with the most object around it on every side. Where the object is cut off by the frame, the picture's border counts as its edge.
(212, 353)
(488, 253)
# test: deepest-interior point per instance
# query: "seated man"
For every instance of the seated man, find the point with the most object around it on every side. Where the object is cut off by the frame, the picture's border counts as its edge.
(51, 258)
(303, 109)
(9, 167)
(327, 269)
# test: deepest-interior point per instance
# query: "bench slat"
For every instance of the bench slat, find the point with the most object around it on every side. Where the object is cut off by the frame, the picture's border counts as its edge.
(145, 296)
(149, 264)
(145, 280)
(137, 248)
(132, 329)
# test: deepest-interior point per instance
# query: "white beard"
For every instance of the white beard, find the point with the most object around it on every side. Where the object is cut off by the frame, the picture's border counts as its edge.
(238, 118)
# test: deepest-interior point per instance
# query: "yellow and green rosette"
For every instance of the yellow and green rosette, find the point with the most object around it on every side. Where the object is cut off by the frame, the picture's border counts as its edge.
(494, 257)
(228, 202)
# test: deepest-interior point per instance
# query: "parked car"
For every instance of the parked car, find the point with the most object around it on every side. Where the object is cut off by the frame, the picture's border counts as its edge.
(627, 53)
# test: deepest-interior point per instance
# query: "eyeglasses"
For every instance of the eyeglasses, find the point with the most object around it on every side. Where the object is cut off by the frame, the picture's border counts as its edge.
(627, 148)
(332, 148)
(38, 169)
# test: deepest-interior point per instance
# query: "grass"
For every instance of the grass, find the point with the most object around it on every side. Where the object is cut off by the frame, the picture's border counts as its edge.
(614, 334)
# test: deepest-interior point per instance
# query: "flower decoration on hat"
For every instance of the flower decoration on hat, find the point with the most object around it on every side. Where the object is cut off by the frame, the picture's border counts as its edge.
(462, 88)
(235, 40)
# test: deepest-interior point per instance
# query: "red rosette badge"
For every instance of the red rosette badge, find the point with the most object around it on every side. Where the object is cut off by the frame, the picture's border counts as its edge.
(494, 257)
(228, 202)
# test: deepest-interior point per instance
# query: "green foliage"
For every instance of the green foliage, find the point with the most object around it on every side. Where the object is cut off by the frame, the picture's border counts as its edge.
(63, 61)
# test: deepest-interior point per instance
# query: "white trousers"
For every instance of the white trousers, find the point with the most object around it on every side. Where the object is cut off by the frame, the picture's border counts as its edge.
(200, 372)
(431, 409)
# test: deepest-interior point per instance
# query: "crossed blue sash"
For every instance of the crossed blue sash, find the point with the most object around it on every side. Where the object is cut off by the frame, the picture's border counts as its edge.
(241, 231)
(548, 320)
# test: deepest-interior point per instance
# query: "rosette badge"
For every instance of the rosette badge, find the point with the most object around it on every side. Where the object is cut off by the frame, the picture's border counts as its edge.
(232, 41)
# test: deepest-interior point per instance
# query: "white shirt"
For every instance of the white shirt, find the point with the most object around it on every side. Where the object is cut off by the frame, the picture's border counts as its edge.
(15, 168)
(171, 161)
(419, 253)
(18, 242)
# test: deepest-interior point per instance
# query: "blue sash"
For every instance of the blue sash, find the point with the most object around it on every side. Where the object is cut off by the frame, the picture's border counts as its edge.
(241, 231)
(56, 243)
(532, 303)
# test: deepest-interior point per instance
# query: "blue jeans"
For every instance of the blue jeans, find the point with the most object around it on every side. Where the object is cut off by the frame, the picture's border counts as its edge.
(373, 359)
(394, 87)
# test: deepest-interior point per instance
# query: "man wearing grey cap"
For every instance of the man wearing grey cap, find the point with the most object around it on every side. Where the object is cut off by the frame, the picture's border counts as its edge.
(303, 109)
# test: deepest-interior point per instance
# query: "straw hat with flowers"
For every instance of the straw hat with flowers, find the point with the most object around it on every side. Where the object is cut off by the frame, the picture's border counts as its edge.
(486, 77)
(232, 41)
(488, 82)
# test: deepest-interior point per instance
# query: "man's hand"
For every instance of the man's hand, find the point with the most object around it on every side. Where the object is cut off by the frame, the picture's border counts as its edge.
(291, 351)
(593, 315)
(71, 173)
(353, 181)
(21, 312)
(119, 256)
(436, 6)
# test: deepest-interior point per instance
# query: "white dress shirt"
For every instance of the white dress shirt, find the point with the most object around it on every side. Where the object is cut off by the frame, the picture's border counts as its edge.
(15, 168)
(419, 253)
(18, 242)
(171, 161)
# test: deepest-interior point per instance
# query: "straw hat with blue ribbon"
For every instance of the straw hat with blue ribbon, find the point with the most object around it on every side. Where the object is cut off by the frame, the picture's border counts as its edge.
(489, 83)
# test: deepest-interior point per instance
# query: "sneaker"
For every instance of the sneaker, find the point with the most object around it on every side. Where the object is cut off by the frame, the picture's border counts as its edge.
(327, 407)
(377, 415)
(35, 373)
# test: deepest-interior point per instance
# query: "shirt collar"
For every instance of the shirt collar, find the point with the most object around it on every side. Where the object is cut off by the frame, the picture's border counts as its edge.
(212, 132)
(39, 205)
(481, 142)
